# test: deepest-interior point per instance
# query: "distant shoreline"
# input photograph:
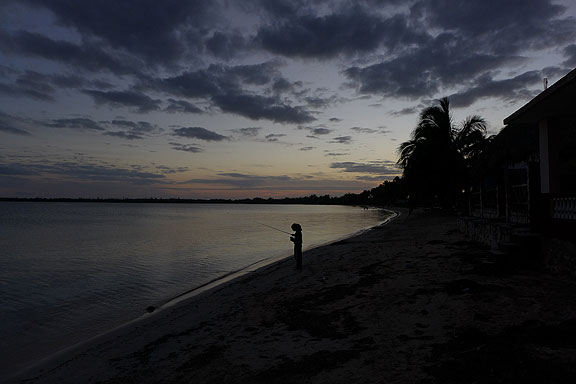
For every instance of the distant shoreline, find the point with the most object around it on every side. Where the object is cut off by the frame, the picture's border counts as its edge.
(309, 200)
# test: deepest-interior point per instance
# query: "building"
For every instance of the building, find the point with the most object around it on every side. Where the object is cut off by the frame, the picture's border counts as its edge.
(528, 174)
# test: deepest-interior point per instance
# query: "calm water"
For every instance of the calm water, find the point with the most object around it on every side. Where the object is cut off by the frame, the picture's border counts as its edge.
(69, 271)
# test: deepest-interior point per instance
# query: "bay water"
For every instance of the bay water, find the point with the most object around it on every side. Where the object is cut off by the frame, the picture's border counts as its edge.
(70, 271)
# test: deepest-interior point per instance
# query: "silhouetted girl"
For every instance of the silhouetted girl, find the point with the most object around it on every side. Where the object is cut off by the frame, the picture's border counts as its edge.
(296, 238)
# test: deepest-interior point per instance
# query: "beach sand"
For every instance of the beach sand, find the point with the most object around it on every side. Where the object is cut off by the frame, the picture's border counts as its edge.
(412, 301)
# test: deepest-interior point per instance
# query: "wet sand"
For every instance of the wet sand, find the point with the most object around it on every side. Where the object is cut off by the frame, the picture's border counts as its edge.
(412, 301)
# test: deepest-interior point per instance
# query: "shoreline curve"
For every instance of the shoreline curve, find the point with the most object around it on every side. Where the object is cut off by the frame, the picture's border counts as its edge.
(258, 267)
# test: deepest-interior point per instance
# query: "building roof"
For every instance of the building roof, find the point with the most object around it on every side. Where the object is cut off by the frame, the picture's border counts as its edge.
(557, 101)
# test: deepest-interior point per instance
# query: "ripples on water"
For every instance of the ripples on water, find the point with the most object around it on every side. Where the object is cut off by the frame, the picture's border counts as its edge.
(69, 271)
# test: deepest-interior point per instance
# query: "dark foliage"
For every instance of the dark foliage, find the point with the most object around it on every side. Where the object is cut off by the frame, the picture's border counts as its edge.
(437, 158)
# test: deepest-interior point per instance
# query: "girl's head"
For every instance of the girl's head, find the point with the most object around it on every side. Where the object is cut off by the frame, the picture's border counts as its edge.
(296, 227)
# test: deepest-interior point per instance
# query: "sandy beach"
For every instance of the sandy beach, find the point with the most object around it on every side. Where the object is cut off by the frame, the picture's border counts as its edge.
(413, 301)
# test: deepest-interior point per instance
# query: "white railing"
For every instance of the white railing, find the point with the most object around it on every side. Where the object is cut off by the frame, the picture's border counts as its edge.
(564, 208)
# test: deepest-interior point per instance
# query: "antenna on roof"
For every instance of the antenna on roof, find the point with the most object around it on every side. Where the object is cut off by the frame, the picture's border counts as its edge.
(545, 83)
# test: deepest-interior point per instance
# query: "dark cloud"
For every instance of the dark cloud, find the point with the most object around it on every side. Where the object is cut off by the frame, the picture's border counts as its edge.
(35, 82)
(124, 129)
(473, 39)
(406, 77)
(199, 133)
(421, 73)
(182, 106)
(101, 84)
(135, 126)
(9, 129)
(171, 170)
(223, 86)
(139, 102)
(13, 125)
(516, 88)
(501, 27)
(39, 86)
(91, 172)
(375, 167)
(406, 111)
(282, 85)
(159, 32)
(570, 54)
(192, 148)
(6, 71)
(364, 130)
(348, 31)
(256, 74)
(374, 178)
(274, 137)
(318, 130)
(88, 56)
(30, 84)
(413, 51)
(254, 177)
(321, 131)
(136, 45)
(124, 135)
(132, 130)
(218, 79)
(284, 9)
(101, 173)
(196, 84)
(70, 81)
(250, 131)
(320, 102)
(336, 154)
(384, 3)
(14, 90)
(307, 148)
(341, 140)
(335, 120)
(225, 45)
(16, 170)
(75, 123)
(257, 107)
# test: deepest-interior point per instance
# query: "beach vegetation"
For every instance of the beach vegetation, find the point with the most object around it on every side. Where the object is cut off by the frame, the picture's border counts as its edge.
(437, 158)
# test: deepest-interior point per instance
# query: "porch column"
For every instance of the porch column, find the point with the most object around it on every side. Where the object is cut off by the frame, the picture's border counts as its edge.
(544, 156)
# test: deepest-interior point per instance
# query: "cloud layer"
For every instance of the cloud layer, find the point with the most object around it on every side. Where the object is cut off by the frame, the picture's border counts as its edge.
(406, 49)
(311, 78)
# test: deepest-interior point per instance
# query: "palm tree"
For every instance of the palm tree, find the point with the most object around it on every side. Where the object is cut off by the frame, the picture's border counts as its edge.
(436, 159)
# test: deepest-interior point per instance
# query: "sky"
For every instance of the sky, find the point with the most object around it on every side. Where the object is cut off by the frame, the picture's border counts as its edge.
(253, 98)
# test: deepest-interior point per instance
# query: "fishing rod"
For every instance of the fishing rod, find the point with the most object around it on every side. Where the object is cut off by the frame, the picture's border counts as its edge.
(279, 230)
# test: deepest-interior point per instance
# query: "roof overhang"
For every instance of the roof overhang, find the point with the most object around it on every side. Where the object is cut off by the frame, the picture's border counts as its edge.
(556, 102)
